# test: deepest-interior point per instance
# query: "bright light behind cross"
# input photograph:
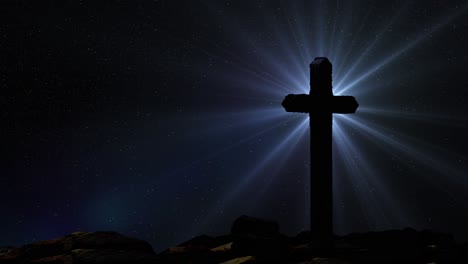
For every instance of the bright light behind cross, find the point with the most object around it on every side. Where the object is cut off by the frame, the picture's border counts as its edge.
(366, 59)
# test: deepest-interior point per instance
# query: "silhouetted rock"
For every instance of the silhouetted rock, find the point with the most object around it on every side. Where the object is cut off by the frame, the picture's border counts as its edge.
(83, 247)
(5, 249)
(251, 226)
(241, 260)
(201, 249)
(206, 242)
(257, 237)
(252, 241)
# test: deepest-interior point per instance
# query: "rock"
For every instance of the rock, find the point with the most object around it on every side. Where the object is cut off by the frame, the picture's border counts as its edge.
(251, 240)
(104, 240)
(301, 238)
(111, 256)
(325, 261)
(223, 248)
(250, 226)
(83, 247)
(246, 259)
(257, 237)
(206, 242)
(440, 240)
(6, 249)
(201, 249)
(192, 255)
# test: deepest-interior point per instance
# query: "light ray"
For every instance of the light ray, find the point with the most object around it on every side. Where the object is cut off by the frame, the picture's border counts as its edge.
(406, 149)
(396, 54)
(271, 85)
(285, 151)
(363, 190)
(369, 48)
(272, 155)
(346, 28)
(432, 118)
(432, 150)
(375, 199)
(342, 61)
(259, 131)
(268, 160)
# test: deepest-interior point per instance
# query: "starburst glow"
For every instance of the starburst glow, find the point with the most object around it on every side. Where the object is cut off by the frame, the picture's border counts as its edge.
(370, 60)
(162, 120)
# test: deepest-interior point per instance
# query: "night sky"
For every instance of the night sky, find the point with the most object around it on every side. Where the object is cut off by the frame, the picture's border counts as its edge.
(162, 120)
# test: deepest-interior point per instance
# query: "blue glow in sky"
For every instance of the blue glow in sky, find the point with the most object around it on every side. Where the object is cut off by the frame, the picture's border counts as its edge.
(164, 122)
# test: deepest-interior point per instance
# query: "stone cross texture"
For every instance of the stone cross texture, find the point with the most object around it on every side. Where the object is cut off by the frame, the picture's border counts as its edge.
(320, 104)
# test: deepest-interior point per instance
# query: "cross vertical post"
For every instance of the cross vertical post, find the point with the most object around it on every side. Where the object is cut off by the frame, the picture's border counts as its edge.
(321, 203)
(320, 104)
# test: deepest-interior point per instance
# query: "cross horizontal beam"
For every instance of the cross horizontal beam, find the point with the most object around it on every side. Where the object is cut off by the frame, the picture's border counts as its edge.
(311, 103)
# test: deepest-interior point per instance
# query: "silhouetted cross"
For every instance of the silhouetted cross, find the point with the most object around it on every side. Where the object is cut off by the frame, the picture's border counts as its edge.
(320, 103)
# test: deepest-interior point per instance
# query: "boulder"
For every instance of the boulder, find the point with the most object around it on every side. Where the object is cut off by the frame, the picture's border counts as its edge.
(251, 240)
(83, 247)
(251, 226)
(257, 237)
(201, 249)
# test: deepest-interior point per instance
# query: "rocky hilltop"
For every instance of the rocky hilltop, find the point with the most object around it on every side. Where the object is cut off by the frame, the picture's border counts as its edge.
(251, 240)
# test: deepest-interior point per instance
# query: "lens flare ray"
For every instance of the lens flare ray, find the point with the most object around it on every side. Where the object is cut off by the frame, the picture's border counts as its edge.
(406, 149)
(283, 68)
(396, 54)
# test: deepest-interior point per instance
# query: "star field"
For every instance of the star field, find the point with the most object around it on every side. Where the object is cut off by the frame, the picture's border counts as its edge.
(162, 120)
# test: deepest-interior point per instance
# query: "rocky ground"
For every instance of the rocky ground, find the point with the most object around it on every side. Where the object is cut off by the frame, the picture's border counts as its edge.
(251, 241)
